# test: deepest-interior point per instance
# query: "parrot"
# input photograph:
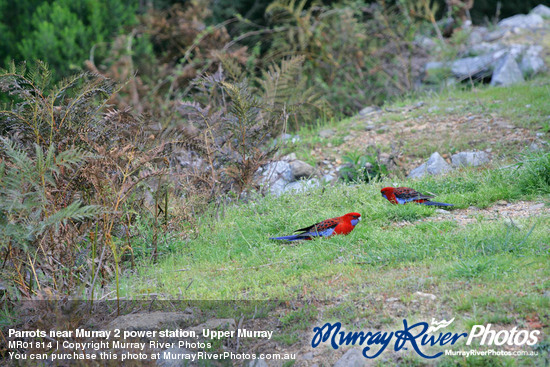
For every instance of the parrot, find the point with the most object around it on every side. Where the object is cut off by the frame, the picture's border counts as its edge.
(339, 225)
(403, 195)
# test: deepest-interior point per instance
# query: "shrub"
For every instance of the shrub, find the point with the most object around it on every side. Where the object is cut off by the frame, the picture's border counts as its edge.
(62, 32)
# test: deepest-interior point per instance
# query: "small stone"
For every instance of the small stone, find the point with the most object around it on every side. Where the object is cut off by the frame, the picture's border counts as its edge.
(425, 295)
(442, 211)
(501, 202)
(392, 299)
(536, 206)
(369, 110)
(352, 358)
(301, 169)
(260, 362)
(327, 133)
(301, 186)
(472, 159)
(289, 157)
(474, 208)
(534, 147)
(328, 177)
(436, 165)
(370, 127)
(434, 65)
(308, 356)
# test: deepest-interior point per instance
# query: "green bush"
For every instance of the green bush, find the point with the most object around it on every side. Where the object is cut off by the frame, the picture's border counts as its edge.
(60, 32)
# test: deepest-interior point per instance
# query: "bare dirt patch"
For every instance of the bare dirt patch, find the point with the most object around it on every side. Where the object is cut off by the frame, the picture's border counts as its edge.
(501, 211)
(415, 138)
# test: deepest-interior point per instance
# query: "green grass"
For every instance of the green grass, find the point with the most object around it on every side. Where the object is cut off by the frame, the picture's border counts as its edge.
(234, 259)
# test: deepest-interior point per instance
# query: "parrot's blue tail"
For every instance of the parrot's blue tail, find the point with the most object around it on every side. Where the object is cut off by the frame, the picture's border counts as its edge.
(427, 202)
(294, 237)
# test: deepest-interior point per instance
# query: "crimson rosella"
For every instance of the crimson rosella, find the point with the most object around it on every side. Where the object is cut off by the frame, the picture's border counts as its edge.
(403, 195)
(339, 225)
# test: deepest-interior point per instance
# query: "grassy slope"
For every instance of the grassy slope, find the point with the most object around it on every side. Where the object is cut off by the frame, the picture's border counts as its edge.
(487, 271)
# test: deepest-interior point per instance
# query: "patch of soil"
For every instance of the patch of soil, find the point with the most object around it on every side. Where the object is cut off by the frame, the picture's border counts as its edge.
(405, 142)
(502, 210)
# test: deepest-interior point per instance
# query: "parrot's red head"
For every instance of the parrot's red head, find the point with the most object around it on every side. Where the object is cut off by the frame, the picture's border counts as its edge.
(354, 218)
(387, 191)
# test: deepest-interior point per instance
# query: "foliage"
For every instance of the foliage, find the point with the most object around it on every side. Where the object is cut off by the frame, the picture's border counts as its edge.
(67, 160)
(360, 167)
(534, 172)
(354, 54)
(46, 114)
(60, 32)
(37, 214)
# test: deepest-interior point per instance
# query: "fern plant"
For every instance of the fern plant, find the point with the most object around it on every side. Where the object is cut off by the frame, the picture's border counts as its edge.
(240, 117)
(66, 160)
(48, 114)
(30, 219)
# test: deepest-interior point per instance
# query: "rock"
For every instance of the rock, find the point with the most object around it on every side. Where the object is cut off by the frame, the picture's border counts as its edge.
(477, 34)
(369, 110)
(276, 175)
(260, 362)
(436, 165)
(507, 72)
(426, 43)
(288, 137)
(536, 206)
(352, 358)
(486, 48)
(327, 133)
(516, 50)
(478, 66)
(541, 10)
(442, 211)
(426, 295)
(530, 21)
(392, 299)
(301, 186)
(148, 320)
(289, 157)
(501, 202)
(180, 357)
(532, 63)
(328, 177)
(534, 147)
(307, 356)
(468, 159)
(495, 35)
(435, 65)
(370, 127)
(301, 169)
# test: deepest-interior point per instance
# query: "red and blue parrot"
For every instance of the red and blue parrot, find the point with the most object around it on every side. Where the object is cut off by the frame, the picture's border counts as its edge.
(329, 227)
(404, 195)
